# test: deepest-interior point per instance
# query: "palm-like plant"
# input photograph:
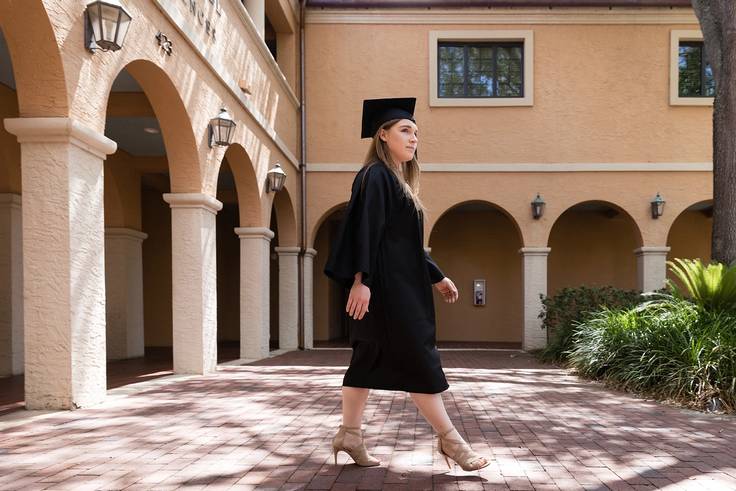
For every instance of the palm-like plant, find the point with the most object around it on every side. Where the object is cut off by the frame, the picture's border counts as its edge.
(712, 286)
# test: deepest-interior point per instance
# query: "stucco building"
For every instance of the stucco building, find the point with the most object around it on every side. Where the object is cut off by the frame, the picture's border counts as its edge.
(122, 227)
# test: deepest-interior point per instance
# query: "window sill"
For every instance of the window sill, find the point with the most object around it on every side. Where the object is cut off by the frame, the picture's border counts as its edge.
(691, 101)
(485, 102)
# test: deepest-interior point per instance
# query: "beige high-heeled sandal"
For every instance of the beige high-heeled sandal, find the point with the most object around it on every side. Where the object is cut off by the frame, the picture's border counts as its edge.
(461, 453)
(357, 451)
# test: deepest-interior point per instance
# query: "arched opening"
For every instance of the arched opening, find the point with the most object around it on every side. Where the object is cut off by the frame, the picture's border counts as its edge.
(690, 234)
(592, 244)
(11, 260)
(156, 155)
(228, 266)
(284, 306)
(330, 325)
(476, 242)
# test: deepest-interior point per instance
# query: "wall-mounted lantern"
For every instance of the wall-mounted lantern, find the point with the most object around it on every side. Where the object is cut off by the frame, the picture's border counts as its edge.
(106, 24)
(276, 178)
(657, 206)
(537, 207)
(221, 129)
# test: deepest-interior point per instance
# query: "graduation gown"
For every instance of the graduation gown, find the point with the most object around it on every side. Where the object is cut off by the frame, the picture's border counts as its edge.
(381, 235)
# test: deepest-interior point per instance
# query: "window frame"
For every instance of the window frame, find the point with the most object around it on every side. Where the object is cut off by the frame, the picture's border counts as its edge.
(525, 37)
(677, 36)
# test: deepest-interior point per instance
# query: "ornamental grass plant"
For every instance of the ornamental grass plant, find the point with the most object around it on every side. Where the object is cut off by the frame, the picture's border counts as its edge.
(679, 345)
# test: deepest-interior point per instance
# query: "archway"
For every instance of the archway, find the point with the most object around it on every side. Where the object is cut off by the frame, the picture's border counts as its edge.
(592, 243)
(330, 326)
(690, 234)
(473, 241)
(156, 154)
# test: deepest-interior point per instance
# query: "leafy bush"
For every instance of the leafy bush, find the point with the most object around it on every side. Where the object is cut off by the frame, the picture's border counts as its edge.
(712, 287)
(669, 347)
(570, 306)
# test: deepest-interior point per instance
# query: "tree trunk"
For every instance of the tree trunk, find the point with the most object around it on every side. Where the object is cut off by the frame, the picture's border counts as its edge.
(718, 23)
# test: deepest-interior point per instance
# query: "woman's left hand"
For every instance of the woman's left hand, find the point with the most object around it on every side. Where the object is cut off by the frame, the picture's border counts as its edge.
(448, 290)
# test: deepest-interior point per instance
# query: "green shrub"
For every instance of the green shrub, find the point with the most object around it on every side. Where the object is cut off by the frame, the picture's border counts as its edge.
(563, 311)
(712, 287)
(668, 347)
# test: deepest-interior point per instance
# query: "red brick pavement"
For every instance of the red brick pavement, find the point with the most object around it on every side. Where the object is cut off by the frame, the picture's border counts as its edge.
(268, 425)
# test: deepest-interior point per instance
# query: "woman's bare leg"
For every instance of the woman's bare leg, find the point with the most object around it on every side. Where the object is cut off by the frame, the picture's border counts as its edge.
(353, 404)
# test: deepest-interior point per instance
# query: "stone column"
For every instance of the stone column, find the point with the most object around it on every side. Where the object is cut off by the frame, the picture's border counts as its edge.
(124, 287)
(257, 11)
(651, 266)
(11, 285)
(254, 291)
(194, 281)
(534, 281)
(309, 256)
(288, 297)
(63, 261)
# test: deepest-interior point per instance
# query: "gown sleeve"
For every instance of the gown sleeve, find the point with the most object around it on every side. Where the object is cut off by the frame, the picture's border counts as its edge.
(359, 236)
(435, 273)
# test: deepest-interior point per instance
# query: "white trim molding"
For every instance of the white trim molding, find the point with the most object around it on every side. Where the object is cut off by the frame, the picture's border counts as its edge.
(505, 16)
(537, 167)
(677, 35)
(193, 200)
(526, 37)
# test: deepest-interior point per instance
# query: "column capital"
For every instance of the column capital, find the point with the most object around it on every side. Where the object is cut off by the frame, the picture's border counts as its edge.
(287, 251)
(60, 130)
(254, 232)
(125, 233)
(651, 250)
(193, 200)
(535, 251)
(310, 252)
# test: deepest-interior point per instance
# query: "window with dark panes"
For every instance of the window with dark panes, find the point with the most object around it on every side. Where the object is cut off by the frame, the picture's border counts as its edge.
(480, 69)
(695, 74)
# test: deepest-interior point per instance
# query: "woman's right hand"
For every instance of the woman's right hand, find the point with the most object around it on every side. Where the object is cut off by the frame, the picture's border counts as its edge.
(358, 300)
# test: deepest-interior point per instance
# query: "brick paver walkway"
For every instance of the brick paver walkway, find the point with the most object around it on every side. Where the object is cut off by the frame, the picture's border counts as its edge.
(268, 426)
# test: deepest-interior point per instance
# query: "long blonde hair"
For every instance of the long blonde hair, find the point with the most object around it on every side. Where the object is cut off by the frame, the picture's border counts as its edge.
(378, 151)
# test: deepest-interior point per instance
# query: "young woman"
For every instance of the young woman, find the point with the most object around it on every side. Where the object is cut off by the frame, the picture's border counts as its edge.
(379, 256)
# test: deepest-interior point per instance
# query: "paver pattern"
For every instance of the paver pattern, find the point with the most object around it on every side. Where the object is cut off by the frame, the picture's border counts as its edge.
(268, 425)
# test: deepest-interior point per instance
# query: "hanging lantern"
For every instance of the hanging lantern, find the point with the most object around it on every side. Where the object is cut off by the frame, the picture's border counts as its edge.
(106, 26)
(537, 207)
(221, 129)
(657, 206)
(276, 178)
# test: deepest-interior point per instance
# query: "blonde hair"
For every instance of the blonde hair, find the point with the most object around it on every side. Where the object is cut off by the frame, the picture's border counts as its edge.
(378, 151)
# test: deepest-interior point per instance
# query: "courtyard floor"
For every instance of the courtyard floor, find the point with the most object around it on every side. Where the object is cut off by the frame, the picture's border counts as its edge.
(268, 425)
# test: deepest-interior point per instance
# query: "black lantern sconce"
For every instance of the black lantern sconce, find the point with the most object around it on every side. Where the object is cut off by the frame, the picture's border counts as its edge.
(276, 178)
(657, 206)
(221, 129)
(537, 207)
(106, 23)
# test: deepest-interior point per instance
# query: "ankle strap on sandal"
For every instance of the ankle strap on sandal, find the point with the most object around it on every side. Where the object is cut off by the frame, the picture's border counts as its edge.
(446, 432)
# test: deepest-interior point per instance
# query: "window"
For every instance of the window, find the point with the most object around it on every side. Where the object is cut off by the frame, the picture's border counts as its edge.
(691, 77)
(695, 73)
(480, 69)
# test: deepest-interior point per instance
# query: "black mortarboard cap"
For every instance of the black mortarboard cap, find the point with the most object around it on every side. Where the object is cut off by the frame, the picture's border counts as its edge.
(378, 111)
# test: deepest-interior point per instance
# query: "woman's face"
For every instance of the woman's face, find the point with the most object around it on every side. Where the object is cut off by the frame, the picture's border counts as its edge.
(401, 139)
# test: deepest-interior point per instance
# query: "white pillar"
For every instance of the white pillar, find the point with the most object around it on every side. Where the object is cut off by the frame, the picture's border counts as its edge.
(124, 287)
(651, 266)
(288, 297)
(309, 256)
(11, 285)
(254, 291)
(257, 11)
(194, 281)
(534, 283)
(63, 261)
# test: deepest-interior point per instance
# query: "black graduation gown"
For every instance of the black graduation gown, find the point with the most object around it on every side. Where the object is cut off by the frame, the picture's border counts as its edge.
(381, 235)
